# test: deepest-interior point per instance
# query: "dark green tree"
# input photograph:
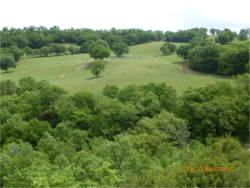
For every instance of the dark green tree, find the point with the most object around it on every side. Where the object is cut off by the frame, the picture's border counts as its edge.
(82, 39)
(28, 51)
(118, 48)
(183, 51)
(7, 62)
(98, 42)
(85, 46)
(17, 53)
(36, 52)
(100, 52)
(97, 67)
(45, 51)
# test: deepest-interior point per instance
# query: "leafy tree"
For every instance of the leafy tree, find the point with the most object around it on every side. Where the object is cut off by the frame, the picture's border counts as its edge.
(242, 84)
(159, 35)
(222, 38)
(242, 37)
(204, 58)
(45, 51)
(38, 40)
(7, 62)
(93, 37)
(100, 52)
(16, 52)
(28, 51)
(233, 61)
(97, 67)
(165, 50)
(98, 42)
(118, 48)
(85, 46)
(81, 39)
(57, 48)
(182, 51)
(111, 91)
(133, 38)
(36, 52)
(7, 87)
(22, 41)
(119, 149)
(26, 84)
(72, 49)
(212, 31)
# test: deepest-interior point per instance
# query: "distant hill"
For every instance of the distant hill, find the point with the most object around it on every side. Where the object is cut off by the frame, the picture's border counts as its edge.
(84, 28)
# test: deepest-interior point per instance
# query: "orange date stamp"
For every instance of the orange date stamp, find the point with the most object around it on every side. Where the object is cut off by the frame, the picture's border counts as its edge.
(209, 169)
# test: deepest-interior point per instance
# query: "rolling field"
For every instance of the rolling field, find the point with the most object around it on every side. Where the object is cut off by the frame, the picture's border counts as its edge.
(167, 69)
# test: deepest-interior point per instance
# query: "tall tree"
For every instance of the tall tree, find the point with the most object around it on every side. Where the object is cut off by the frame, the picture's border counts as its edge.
(120, 48)
(100, 52)
(97, 67)
(98, 42)
(7, 62)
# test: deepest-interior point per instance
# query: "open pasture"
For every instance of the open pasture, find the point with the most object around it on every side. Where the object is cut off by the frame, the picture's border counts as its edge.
(134, 71)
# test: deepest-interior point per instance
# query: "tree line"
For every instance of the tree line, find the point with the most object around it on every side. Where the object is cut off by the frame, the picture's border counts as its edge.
(140, 135)
(243, 34)
(37, 37)
(203, 55)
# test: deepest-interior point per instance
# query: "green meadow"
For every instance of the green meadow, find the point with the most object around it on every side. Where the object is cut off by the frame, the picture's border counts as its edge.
(168, 69)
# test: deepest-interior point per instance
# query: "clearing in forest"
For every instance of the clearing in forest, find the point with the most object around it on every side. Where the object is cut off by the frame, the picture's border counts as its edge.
(169, 69)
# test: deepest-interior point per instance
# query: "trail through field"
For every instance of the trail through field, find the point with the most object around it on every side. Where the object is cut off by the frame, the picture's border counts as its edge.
(78, 68)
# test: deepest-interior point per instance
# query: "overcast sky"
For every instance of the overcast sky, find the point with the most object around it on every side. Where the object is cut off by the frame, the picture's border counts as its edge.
(162, 15)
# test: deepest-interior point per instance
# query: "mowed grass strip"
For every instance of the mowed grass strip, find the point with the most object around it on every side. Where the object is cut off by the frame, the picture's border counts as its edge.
(134, 71)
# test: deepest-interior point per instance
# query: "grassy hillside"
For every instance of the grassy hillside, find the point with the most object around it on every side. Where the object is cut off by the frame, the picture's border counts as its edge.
(209, 37)
(134, 71)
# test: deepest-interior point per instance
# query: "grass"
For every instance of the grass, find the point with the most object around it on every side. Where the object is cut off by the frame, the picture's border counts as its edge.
(209, 37)
(133, 71)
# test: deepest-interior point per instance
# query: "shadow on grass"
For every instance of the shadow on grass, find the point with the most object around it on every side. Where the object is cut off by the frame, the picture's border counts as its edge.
(6, 72)
(186, 68)
(88, 67)
(179, 62)
(91, 78)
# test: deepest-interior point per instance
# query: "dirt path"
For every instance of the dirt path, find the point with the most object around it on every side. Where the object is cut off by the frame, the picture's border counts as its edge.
(78, 68)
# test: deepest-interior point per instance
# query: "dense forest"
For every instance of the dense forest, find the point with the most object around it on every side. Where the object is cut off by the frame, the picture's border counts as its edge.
(205, 56)
(137, 136)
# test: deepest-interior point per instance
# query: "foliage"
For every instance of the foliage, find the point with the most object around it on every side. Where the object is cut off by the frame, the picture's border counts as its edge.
(97, 43)
(85, 46)
(120, 48)
(204, 58)
(73, 50)
(139, 135)
(97, 67)
(58, 49)
(7, 87)
(7, 62)
(233, 61)
(100, 52)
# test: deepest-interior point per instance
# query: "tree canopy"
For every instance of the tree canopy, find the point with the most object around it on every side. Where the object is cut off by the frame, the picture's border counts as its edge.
(120, 48)
(7, 62)
(97, 67)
